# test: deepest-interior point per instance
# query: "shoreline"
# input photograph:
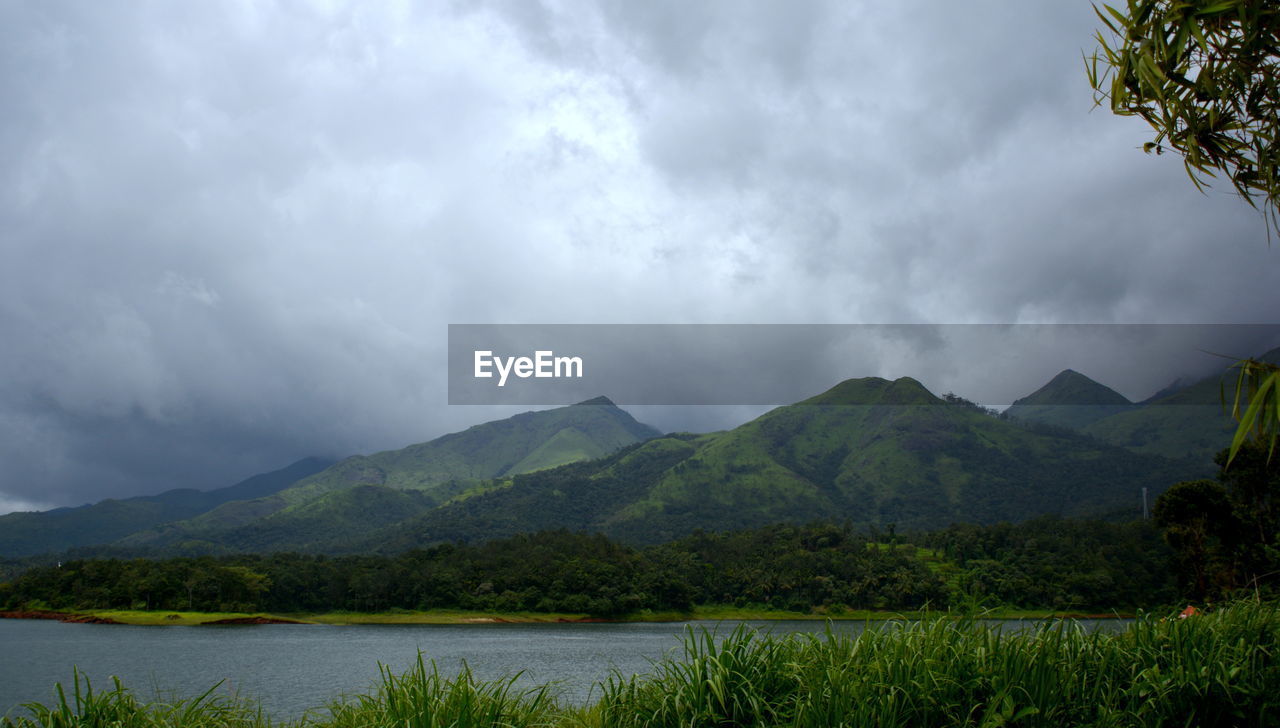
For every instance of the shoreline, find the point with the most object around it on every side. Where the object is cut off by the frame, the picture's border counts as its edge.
(453, 617)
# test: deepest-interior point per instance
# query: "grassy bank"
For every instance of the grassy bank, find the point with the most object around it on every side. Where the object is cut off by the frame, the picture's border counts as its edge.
(1218, 669)
(457, 616)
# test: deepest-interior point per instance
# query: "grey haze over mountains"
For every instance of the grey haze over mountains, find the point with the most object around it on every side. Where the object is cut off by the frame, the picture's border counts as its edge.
(317, 505)
(1184, 420)
(233, 234)
(63, 529)
(868, 451)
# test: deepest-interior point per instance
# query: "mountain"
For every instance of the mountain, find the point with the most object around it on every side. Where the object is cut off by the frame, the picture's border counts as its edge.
(1167, 390)
(1191, 422)
(24, 534)
(869, 451)
(520, 444)
(1070, 399)
(1181, 421)
(341, 504)
(329, 523)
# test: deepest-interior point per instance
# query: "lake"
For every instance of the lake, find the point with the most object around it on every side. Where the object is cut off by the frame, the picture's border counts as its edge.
(294, 668)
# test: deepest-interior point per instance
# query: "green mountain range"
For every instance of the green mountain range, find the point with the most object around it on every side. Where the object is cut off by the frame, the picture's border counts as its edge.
(872, 452)
(342, 503)
(869, 451)
(1188, 421)
(520, 444)
(24, 534)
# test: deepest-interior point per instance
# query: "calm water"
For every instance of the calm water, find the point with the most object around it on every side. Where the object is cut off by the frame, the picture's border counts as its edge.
(293, 668)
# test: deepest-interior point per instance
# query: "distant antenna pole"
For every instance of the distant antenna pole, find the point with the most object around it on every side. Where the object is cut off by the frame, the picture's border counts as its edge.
(1144, 504)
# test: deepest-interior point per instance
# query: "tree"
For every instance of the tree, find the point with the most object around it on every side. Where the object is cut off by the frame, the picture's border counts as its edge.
(1205, 74)
(1198, 524)
(1253, 486)
(1226, 533)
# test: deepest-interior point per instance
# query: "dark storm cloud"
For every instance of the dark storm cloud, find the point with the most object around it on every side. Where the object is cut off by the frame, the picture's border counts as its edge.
(234, 234)
(937, 163)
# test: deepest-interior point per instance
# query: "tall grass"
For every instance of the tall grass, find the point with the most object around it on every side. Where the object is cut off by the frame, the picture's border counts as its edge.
(119, 708)
(421, 698)
(1219, 669)
(745, 679)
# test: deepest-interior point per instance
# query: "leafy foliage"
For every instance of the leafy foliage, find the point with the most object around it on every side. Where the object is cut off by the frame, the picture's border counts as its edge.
(1205, 74)
(799, 568)
(1259, 384)
(1057, 563)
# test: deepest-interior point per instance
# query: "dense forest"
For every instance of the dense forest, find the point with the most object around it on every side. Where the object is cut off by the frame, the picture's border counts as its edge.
(1207, 540)
(828, 568)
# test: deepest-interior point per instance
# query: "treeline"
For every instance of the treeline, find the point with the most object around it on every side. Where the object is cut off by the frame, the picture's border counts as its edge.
(814, 567)
(1043, 564)
(1225, 533)
(1059, 564)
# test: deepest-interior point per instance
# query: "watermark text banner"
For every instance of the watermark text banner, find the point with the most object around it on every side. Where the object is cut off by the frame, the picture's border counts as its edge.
(765, 364)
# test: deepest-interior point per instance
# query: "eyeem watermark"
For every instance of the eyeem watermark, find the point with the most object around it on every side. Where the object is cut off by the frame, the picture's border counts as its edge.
(542, 365)
(776, 364)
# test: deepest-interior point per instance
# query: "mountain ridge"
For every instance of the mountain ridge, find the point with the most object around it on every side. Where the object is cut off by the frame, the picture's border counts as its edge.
(1186, 420)
(59, 529)
(869, 450)
(416, 477)
(844, 454)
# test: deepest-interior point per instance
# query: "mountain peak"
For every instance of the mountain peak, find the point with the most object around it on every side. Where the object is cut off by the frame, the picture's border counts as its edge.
(518, 444)
(1072, 387)
(1071, 400)
(601, 400)
(876, 391)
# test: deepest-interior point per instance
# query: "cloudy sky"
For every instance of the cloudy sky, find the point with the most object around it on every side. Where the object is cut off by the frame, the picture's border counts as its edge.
(234, 234)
